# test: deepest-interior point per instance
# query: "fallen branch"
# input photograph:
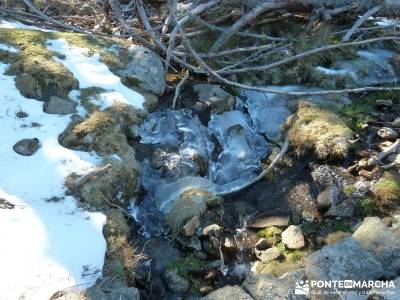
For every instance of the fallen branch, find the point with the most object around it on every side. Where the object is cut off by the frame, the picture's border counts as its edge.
(85, 178)
(178, 88)
(309, 53)
(217, 76)
(377, 159)
(360, 21)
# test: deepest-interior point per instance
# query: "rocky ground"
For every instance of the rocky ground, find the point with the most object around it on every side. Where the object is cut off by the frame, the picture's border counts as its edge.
(328, 211)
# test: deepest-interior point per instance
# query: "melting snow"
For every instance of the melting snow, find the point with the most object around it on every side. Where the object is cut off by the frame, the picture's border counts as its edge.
(45, 246)
(90, 72)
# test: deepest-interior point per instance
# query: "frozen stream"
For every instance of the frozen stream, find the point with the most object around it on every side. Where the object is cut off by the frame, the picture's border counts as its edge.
(227, 152)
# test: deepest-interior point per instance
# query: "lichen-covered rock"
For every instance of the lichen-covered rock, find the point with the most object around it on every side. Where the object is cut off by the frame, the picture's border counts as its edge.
(293, 237)
(320, 131)
(142, 69)
(381, 241)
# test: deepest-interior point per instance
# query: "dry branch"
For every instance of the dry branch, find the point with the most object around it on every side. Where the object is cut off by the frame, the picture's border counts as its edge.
(360, 21)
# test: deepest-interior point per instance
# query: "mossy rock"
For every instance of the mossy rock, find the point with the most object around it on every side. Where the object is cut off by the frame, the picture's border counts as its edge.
(116, 224)
(185, 266)
(191, 203)
(38, 75)
(320, 131)
(277, 268)
(117, 185)
(386, 191)
(104, 132)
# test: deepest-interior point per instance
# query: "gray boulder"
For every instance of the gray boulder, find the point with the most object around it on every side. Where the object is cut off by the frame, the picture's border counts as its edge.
(381, 241)
(59, 106)
(345, 260)
(176, 283)
(144, 69)
(228, 293)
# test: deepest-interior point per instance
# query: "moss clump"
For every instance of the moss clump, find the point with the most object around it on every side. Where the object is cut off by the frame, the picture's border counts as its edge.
(272, 234)
(339, 225)
(186, 266)
(192, 203)
(38, 75)
(358, 113)
(319, 130)
(349, 189)
(367, 207)
(386, 190)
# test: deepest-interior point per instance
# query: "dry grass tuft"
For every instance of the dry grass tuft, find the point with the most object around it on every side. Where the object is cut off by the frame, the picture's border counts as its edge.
(130, 257)
(316, 129)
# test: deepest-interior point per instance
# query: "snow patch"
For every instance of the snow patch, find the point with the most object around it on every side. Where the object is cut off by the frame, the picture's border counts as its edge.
(91, 72)
(47, 242)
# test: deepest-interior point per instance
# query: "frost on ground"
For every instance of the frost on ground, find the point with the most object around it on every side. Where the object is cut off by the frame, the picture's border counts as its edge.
(89, 72)
(47, 242)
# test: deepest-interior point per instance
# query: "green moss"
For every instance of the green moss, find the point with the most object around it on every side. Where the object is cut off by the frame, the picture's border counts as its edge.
(184, 266)
(269, 232)
(367, 207)
(339, 225)
(295, 256)
(386, 190)
(358, 113)
(349, 189)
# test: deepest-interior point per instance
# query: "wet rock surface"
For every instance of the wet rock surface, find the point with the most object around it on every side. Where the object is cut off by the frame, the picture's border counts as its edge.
(27, 147)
